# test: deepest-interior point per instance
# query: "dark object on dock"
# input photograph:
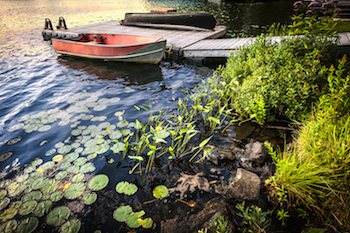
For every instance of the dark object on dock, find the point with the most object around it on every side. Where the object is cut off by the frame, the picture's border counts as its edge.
(61, 32)
(201, 20)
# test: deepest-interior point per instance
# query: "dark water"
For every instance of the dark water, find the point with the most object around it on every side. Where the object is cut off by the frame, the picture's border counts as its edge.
(36, 84)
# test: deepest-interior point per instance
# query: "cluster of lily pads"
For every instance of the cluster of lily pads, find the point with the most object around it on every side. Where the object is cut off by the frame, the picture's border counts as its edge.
(127, 214)
(33, 192)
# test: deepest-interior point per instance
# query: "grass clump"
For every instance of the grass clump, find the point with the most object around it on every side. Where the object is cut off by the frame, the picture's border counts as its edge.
(315, 173)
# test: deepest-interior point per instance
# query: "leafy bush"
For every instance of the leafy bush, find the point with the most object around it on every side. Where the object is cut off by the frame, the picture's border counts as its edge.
(275, 76)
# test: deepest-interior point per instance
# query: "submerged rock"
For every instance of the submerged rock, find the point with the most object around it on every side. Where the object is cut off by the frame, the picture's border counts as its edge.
(221, 153)
(245, 186)
(191, 223)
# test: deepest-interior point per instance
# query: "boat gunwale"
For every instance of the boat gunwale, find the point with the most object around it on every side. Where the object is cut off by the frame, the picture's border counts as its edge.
(108, 46)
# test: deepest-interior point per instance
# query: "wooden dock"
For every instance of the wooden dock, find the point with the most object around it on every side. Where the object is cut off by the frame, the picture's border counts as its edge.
(189, 43)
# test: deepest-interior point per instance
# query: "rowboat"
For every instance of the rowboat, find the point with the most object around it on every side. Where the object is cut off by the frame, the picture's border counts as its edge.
(111, 47)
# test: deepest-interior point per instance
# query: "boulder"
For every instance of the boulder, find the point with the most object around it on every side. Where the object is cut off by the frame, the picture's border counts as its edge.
(244, 186)
(257, 152)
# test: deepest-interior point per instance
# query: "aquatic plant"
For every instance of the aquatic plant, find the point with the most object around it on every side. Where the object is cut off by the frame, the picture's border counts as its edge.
(254, 217)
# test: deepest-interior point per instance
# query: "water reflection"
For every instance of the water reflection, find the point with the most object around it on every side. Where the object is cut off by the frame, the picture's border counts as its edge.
(128, 73)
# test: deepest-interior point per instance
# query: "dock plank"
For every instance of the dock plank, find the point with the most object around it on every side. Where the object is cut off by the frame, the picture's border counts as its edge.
(176, 38)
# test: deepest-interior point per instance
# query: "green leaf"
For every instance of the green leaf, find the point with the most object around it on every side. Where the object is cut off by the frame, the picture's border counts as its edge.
(90, 198)
(121, 186)
(56, 196)
(27, 207)
(58, 216)
(71, 226)
(130, 189)
(134, 221)
(98, 182)
(42, 208)
(74, 191)
(8, 214)
(147, 223)
(160, 191)
(204, 142)
(122, 213)
(28, 225)
(9, 226)
(139, 158)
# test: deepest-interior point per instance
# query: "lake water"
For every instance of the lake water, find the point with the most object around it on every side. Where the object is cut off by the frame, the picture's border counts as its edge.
(45, 97)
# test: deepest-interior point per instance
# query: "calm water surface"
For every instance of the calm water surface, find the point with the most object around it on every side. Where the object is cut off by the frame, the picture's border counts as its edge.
(43, 96)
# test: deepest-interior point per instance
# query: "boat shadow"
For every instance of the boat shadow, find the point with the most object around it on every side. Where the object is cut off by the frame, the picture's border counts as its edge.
(126, 72)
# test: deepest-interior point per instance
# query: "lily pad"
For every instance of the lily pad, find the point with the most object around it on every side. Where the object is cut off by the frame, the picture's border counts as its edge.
(50, 152)
(59, 145)
(44, 128)
(135, 221)
(60, 175)
(16, 127)
(122, 213)
(20, 179)
(8, 214)
(27, 207)
(49, 187)
(115, 135)
(57, 158)
(98, 182)
(78, 177)
(90, 149)
(64, 149)
(90, 198)
(71, 226)
(147, 223)
(15, 188)
(39, 183)
(122, 124)
(118, 147)
(4, 202)
(73, 169)
(36, 174)
(80, 161)
(9, 226)
(42, 208)
(130, 189)
(121, 186)
(79, 150)
(3, 193)
(88, 167)
(28, 225)
(103, 101)
(91, 156)
(75, 145)
(65, 165)
(102, 148)
(160, 191)
(76, 132)
(37, 162)
(58, 216)
(100, 107)
(32, 196)
(114, 100)
(71, 157)
(74, 191)
(48, 165)
(29, 169)
(16, 205)
(56, 196)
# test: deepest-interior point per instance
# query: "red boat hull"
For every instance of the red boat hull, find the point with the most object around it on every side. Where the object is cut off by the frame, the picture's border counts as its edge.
(113, 47)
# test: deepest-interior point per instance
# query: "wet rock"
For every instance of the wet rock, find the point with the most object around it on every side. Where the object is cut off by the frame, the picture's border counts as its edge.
(218, 154)
(191, 223)
(245, 186)
(190, 183)
(257, 152)
(240, 132)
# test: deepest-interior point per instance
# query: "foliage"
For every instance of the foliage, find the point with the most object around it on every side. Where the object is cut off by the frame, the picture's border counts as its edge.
(220, 225)
(255, 219)
(315, 172)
